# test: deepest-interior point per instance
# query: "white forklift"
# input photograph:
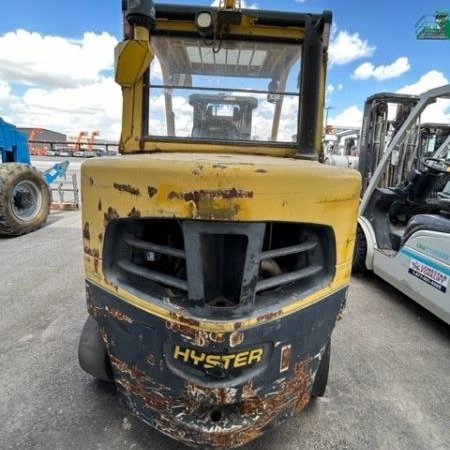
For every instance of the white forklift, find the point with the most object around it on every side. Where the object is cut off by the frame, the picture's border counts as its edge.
(404, 230)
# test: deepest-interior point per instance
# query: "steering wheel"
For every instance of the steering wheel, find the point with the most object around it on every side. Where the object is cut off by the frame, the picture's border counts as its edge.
(436, 165)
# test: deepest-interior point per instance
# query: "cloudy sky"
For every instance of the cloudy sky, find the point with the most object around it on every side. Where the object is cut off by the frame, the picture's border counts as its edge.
(56, 59)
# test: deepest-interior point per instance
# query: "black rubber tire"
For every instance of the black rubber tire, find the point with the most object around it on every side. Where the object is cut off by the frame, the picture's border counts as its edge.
(92, 354)
(321, 379)
(360, 252)
(11, 174)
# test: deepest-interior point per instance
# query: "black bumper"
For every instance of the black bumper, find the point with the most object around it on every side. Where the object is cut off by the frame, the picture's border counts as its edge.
(210, 389)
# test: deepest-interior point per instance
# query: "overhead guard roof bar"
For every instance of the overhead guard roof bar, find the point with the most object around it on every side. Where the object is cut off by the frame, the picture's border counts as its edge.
(261, 17)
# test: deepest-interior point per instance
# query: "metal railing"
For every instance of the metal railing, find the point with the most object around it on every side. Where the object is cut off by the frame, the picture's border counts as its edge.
(69, 148)
(67, 192)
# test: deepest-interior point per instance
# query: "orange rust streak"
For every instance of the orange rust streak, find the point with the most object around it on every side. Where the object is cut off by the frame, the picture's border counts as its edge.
(127, 188)
(119, 315)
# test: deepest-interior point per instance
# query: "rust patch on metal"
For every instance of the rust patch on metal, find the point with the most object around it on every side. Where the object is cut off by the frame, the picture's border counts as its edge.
(198, 196)
(92, 310)
(204, 205)
(110, 283)
(294, 394)
(109, 215)
(152, 398)
(99, 205)
(91, 252)
(217, 337)
(336, 200)
(289, 396)
(95, 254)
(138, 377)
(177, 317)
(127, 188)
(104, 336)
(204, 202)
(119, 315)
(236, 338)
(237, 325)
(152, 191)
(195, 396)
(124, 368)
(193, 335)
(269, 316)
(132, 381)
(86, 232)
(134, 213)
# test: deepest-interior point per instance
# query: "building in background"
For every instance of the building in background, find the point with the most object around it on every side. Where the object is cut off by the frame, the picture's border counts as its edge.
(46, 139)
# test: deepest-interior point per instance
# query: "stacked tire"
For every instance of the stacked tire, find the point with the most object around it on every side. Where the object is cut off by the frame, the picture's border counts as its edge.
(24, 199)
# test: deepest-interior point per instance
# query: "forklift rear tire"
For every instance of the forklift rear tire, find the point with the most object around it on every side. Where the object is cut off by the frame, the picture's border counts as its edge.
(321, 380)
(360, 252)
(24, 199)
(92, 354)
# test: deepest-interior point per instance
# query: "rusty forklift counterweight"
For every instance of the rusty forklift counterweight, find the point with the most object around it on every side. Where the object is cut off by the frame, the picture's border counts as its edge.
(217, 248)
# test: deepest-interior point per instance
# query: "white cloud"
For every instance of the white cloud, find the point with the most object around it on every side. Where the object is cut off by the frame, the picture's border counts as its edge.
(430, 80)
(394, 70)
(438, 112)
(32, 59)
(5, 89)
(346, 47)
(349, 117)
(63, 82)
(5, 92)
(96, 106)
(332, 88)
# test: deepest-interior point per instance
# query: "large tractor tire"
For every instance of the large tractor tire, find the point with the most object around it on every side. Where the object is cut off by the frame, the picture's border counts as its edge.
(24, 199)
(360, 252)
(92, 354)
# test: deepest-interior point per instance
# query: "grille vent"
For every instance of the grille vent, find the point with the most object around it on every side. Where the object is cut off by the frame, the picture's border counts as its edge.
(218, 265)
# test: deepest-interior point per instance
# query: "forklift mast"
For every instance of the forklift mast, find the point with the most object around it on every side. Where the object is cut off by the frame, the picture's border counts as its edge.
(378, 127)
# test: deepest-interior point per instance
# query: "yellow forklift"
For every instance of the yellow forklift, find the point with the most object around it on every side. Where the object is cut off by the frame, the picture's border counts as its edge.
(217, 263)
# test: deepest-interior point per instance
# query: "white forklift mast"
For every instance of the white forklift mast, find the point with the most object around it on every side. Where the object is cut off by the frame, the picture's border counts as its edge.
(404, 230)
(425, 99)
